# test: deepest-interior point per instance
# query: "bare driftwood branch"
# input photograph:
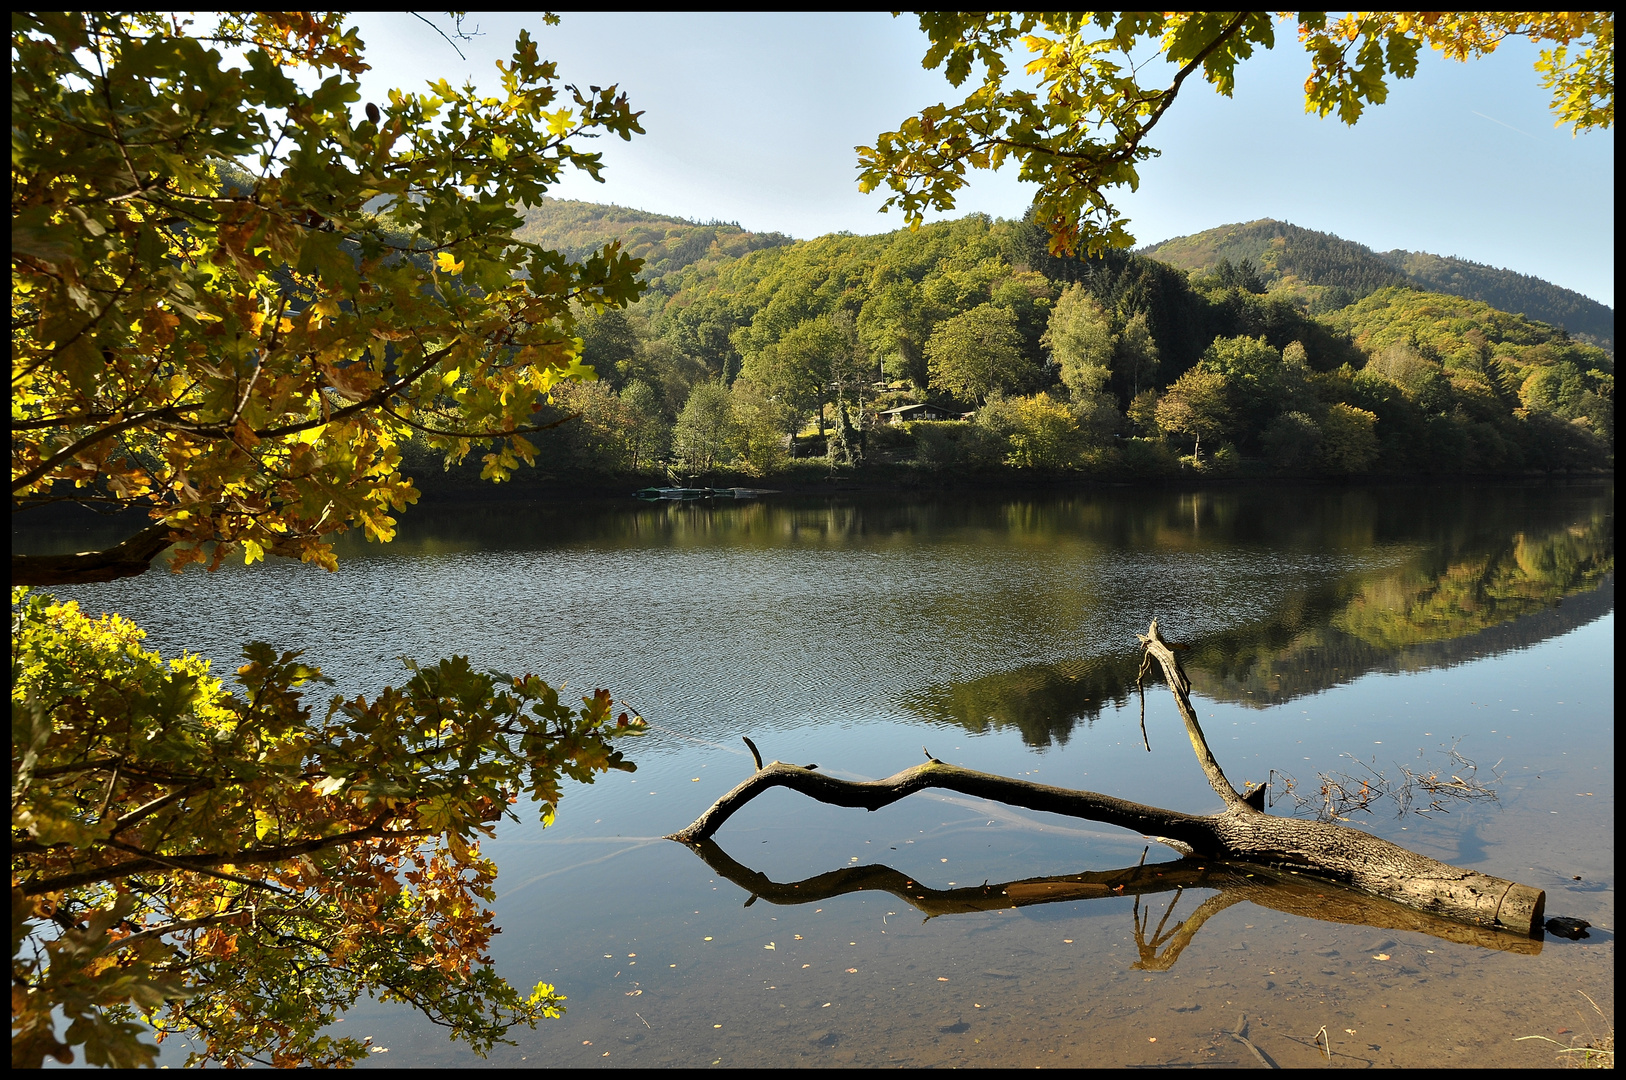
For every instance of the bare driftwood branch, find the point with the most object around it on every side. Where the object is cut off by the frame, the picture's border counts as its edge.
(1240, 833)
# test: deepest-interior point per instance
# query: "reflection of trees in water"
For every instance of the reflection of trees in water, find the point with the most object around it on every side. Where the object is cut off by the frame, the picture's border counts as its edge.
(1473, 591)
(1466, 596)
(1442, 608)
(1489, 565)
(1309, 520)
(1042, 701)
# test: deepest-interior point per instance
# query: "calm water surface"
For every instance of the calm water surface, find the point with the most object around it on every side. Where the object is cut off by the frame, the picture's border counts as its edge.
(1330, 631)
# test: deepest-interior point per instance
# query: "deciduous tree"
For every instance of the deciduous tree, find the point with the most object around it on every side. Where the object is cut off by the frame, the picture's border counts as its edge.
(232, 298)
(978, 352)
(706, 435)
(1086, 130)
(1198, 405)
(1081, 341)
(650, 434)
(240, 359)
(232, 865)
(1349, 441)
(801, 366)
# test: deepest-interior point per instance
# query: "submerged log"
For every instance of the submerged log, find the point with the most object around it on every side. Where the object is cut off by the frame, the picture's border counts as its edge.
(1242, 832)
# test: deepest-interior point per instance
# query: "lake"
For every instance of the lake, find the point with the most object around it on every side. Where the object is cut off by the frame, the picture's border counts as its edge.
(1340, 631)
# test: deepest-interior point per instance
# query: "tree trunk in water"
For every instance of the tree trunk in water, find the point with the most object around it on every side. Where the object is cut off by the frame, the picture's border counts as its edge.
(1242, 832)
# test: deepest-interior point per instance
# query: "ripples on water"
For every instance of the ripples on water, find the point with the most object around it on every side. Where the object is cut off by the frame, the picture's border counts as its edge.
(713, 638)
(833, 632)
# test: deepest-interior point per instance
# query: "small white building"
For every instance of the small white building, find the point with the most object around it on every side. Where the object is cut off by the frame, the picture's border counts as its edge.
(917, 412)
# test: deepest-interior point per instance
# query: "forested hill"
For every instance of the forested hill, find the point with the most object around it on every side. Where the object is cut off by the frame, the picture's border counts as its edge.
(1120, 365)
(1335, 272)
(666, 244)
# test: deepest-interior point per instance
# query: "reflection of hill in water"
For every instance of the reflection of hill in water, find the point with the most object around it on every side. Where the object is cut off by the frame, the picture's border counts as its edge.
(1331, 657)
(1484, 567)
(1449, 605)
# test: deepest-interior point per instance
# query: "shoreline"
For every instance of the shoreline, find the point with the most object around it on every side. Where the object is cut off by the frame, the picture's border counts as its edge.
(818, 481)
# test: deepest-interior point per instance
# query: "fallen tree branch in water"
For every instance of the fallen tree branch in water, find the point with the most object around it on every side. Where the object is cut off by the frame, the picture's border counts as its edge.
(1242, 832)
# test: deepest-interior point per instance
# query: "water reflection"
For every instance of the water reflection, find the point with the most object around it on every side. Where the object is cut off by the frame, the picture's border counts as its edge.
(826, 624)
(1231, 883)
(1474, 593)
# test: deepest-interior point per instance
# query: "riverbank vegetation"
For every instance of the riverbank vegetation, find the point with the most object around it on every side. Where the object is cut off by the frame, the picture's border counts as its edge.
(1118, 366)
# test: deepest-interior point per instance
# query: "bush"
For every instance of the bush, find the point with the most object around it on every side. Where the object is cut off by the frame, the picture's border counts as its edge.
(946, 444)
(1292, 441)
(1225, 462)
(1044, 433)
(1349, 442)
(1147, 457)
(889, 437)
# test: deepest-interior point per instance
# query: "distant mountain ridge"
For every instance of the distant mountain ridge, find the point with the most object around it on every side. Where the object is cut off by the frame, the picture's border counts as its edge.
(1340, 271)
(666, 244)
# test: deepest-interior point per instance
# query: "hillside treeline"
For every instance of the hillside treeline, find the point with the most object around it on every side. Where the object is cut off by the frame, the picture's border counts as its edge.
(1121, 365)
(1328, 272)
(666, 244)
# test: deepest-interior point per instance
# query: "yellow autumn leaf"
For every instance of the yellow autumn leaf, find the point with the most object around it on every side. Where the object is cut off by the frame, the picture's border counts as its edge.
(447, 263)
(558, 122)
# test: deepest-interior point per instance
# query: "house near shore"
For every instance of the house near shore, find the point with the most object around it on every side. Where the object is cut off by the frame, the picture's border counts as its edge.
(917, 412)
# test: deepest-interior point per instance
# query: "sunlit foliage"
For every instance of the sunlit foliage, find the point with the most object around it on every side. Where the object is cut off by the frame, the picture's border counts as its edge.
(1085, 131)
(232, 296)
(230, 864)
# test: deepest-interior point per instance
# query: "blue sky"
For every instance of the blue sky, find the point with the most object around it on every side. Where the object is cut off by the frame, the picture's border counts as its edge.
(753, 118)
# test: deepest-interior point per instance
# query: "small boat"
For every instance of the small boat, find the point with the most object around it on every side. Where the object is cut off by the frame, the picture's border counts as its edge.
(694, 494)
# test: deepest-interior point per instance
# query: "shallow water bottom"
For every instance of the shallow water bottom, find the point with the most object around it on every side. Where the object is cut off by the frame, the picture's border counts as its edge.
(862, 980)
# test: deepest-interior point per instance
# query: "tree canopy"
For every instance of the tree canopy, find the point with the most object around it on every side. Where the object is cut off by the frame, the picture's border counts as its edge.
(977, 353)
(233, 297)
(231, 865)
(1086, 131)
(235, 292)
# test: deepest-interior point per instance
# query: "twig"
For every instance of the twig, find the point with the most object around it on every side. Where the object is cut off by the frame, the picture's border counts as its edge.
(1241, 1036)
(442, 33)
